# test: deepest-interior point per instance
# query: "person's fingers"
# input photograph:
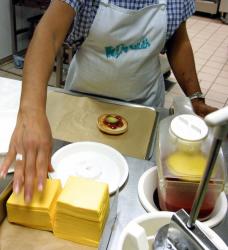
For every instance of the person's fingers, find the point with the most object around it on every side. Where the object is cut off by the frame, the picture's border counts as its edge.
(202, 109)
(42, 164)
(18, 179)
(50, 167)
(209, 109)
(10, 157)
(30, 173)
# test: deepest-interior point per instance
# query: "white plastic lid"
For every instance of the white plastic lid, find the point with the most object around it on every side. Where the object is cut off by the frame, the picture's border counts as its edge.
(189, 127)
(92, 160)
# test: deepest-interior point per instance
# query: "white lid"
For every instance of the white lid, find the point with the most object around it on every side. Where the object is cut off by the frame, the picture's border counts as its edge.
(189, 127)
(92, 160)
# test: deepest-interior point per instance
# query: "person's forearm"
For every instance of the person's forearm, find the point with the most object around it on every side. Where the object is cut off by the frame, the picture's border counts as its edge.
(180, 55)
(37, 69)
(43, 48)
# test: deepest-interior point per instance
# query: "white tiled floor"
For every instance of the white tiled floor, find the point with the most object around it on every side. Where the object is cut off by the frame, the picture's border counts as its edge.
(209, 39)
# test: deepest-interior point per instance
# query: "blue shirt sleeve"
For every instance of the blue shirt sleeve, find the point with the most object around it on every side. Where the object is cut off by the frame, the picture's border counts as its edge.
(188, 10)
(178, 12)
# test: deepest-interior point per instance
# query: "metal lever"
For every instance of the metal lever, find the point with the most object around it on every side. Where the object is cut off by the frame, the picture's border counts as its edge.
(219, 120)
(182, 233)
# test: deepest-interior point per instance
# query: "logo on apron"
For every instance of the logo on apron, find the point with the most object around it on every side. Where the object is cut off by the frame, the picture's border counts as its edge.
(115, 52)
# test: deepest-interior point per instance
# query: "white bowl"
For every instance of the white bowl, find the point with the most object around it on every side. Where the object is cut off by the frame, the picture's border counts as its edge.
(149, 224)
(147, 185)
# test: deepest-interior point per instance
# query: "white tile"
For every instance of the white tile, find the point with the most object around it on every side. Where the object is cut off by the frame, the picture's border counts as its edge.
(211, 29)
(204, 90)
(223, 29)
(204, 51)
(205, 84)
(215, 65)
(198, 67)
(222, 50)
(215, 104)
(220, 88)
(218, 59)
(172, 77)
(201, 37)
(225, 67)
(203, 55)
(215, 44)
(176, 90)
(198, 41)
(224, 74)
(206, 35)
(214, 23)
(210, 70)
(199, 60)
(206, 77)
(216, 96)
(221, 80)
(221, 55)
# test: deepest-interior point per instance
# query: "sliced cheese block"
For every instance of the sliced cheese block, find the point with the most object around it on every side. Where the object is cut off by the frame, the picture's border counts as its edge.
(79, 230)
(39, 213)
(84, 198)
(81, 211)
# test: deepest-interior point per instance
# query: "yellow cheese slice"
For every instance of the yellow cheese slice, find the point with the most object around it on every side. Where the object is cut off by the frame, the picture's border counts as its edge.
(39, 213)
(79, 230)
(40, 200)
(83, 198)
(81, 211)
(186, 165)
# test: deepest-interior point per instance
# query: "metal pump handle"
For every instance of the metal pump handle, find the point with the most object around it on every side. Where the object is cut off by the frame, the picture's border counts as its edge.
(219, 120)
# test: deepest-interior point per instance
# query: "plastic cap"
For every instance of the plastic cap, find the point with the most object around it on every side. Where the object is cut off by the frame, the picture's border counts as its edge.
(189, 127)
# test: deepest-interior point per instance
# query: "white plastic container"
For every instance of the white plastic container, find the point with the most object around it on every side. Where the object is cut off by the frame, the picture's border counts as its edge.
(182, 150)
(148, 225)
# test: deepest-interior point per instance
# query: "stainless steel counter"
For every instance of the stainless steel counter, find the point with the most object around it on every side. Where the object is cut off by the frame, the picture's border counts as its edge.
(129, 206)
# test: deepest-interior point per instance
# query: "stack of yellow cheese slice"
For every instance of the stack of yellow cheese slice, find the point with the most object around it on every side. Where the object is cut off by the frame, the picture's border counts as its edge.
(39, 213)
(187, 166)
(81, 211)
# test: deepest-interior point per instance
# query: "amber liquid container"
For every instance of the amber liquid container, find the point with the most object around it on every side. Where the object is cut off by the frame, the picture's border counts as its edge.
(177, 194)
(181, 164)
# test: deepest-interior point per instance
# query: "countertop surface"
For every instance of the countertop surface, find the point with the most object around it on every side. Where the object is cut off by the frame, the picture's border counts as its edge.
(129, 206)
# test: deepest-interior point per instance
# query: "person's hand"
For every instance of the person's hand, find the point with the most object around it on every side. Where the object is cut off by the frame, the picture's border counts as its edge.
(31, 142)
(201, 108)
